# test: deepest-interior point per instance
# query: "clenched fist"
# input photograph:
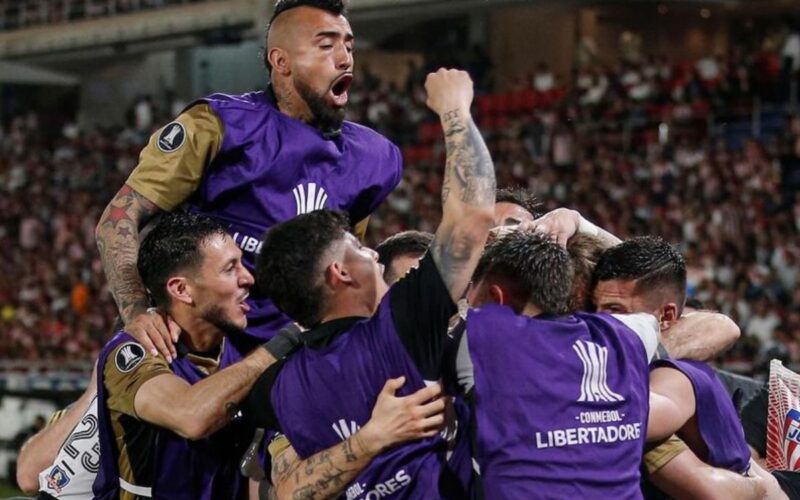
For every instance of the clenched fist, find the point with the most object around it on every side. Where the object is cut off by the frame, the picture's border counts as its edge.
(449, 90)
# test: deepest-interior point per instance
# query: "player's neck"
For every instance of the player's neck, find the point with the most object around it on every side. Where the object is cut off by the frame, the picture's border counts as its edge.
(530, 310)
(198, 334)
(346, 306)
(289, 101)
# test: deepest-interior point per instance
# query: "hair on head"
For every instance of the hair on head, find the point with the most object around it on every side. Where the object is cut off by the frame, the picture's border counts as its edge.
(403, 243)
(288, 267)
(585, 251)
(534, 268)
(653, 263)
(173, 245)
(335, 7)
(521, 197)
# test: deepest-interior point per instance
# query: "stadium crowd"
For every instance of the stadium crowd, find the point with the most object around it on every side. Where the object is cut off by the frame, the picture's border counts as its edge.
(638, 149)
(295, 357)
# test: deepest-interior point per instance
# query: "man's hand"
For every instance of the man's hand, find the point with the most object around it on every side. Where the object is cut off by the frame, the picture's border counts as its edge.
(396, 420)
(157, 332)
(561, 224)
(449, 90)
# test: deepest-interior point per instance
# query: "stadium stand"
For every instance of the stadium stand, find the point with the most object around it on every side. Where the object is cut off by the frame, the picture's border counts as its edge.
(704, 152)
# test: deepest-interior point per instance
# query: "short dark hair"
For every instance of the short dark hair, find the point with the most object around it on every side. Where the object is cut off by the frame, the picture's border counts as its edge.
(519, 196)
(287, 270)
(649, 260)
(534, 268)
(403, 243)
(585, 251)
(335, 7)
(173, 245)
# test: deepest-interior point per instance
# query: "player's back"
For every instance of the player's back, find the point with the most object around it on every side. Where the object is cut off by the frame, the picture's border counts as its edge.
(560, 404)
(326, 392)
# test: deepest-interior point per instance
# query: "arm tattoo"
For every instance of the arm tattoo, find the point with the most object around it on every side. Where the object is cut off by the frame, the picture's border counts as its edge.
(318, 476)
(118, 245)
(469, 178)
(469, 171)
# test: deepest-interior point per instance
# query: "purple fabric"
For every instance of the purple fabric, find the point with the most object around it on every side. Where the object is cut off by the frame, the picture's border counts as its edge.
(322, 396)
(202, 469)
(271, 168)
(561, 404)
(717, 420)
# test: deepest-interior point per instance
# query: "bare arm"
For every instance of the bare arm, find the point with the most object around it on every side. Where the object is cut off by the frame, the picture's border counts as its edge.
(686, 476)
(41, 449)
(195, 411)
(672, 403)
(394, 420)
(700, 335)
(324, 475)
(468, 185)
(117, 235)
(774, 491)
(563, 223)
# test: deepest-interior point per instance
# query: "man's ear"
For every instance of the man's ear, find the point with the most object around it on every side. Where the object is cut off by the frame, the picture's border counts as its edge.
(279, 60)
(497, 295)
(668, 315)
(336, 274)
(180, 290)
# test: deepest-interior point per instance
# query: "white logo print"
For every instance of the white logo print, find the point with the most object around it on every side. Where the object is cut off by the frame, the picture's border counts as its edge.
(171, 138)
(129, 356)
(343, 430)
(594, 387)
(173, 133)
(309, 197)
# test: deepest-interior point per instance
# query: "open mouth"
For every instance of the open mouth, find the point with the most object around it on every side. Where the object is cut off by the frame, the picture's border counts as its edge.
(340, 87)
(243, 303)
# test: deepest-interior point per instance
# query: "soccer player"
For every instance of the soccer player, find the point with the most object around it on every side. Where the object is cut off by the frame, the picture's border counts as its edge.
(695, 405)
(363, 332)
(61, 460)
(173, 430)
(253, 160)
(560, 399)
(697, 336)
(646, 274)
(169, 430)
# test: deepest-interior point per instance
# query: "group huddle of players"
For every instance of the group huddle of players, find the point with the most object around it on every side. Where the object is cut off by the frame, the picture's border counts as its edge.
(508, 355)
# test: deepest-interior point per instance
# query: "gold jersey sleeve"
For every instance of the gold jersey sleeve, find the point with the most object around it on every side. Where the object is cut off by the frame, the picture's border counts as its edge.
(171, 166)
(278, 445)
(127, 368)
(662, 454)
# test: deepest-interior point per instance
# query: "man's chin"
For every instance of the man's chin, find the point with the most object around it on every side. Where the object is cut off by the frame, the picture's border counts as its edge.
(330, 119)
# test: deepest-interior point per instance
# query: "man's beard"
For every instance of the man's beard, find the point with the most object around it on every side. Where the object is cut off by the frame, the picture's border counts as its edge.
(326, 119)
(216, 316)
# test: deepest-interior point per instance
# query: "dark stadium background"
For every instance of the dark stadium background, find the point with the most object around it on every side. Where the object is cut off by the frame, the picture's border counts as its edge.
(670, 118)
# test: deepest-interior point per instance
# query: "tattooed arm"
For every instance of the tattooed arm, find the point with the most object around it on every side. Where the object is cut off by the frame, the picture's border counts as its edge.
(394, 420)
(117, 235)
(468, 186)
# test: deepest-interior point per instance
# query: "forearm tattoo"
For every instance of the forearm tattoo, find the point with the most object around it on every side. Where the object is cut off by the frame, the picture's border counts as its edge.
(118, 245)
(319, 476)
(469, 177)
(469, 171)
